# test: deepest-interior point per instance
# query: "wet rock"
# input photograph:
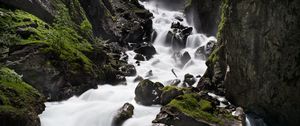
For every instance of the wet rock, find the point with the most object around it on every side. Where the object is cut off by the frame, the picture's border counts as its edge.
(169, 93)
(204, 51)
(128, 70)
(147, 50)
(139, 57)
(123, 114)
(186, 32)
(138, 79)
(148, 93)
(149, 73)
(24, 33)
(189, 79)
(194, 110)
(179, 18)
(201, 53)
(185, 58)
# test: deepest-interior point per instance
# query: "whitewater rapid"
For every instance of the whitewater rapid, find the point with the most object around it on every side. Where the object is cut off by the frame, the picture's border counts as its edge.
(97, 107)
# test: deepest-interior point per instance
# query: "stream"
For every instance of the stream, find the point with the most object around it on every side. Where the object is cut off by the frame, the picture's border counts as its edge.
(97, 107)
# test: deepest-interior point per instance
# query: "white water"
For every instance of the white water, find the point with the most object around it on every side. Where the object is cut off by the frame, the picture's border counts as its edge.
(97, 107)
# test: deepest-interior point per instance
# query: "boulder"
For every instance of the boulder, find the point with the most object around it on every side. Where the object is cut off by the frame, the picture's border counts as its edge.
(123, 114)
(128, 70)
(147, 50)
(148, 93)
(185, 58)
(189, 79)
(169, 93)
(194, 110)
(139, 57)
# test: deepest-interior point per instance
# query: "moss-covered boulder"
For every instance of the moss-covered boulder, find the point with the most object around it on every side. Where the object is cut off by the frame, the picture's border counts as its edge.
(148, 92)
(194, 110)
(20, 103)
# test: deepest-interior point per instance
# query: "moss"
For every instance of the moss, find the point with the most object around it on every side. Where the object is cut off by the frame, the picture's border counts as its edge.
(86, 25)
(191, 106)
(214, 56)
(224, 14)
(15, 94)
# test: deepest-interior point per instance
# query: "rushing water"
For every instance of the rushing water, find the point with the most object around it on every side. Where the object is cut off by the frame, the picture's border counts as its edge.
(97, 107)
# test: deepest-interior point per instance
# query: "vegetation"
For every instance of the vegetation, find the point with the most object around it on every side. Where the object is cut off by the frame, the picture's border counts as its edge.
(16, 96)
(190, 105)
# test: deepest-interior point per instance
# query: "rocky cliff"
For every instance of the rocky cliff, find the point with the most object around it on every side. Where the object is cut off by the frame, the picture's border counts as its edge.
(259, 43)
(65, 47)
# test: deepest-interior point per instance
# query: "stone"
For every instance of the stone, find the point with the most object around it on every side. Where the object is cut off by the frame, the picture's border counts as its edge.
(128, 70)
(123, 114)
(147, 50)
(139, 57)
(148, 93)
(189, 79)
(185, 58)
(24, 33)
(138, 79)
(169, 93)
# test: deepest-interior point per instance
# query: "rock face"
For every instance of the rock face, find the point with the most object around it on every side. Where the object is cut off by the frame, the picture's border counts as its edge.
(42, 9)
(205, 15)
(123, 114)
(20, 103)
(148, 93)
(261, 42)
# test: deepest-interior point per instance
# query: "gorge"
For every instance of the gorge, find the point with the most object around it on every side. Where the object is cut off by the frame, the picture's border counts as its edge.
(149, 62)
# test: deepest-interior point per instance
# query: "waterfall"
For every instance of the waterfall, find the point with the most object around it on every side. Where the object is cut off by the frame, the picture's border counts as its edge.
(97, 107)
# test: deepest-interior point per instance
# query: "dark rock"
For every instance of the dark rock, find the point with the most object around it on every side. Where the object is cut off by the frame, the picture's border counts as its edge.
(179, 18)
(189, 79)
(42, 9)
(194, 110)
(204, 51)
(128, 70)
(264, 60)
(149, 73)
(186, 32)
(24, 33)
(123, 114)
(20, 104)
(148, 93)
(205, 15)
(146, 50)
(139, 57)
(138, 79)
(185, 58)
(169, 93)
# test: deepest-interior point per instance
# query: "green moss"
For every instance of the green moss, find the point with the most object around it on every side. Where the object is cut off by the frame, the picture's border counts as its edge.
(191, 106)
(214, 56)
(86, 25)
(224, 14)
(15, 94)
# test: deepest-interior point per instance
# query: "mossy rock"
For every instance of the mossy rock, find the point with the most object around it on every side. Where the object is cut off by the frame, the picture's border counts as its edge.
(195, 109)
(20, 103)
